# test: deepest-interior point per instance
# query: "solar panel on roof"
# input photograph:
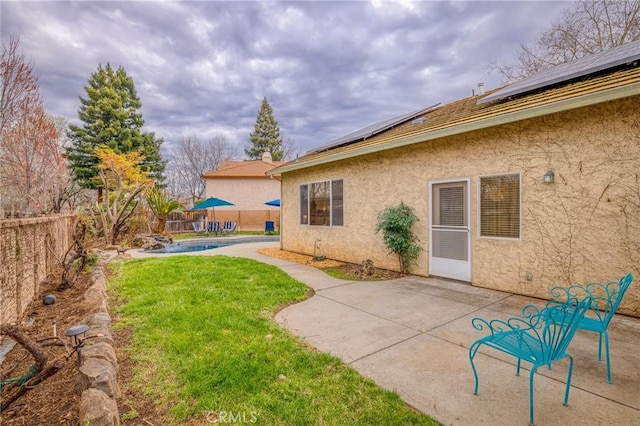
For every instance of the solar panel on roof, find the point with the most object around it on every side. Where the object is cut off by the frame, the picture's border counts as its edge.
(625, 54)
(371, 130)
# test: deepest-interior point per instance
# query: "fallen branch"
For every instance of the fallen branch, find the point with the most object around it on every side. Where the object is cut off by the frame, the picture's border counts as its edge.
(12, 389)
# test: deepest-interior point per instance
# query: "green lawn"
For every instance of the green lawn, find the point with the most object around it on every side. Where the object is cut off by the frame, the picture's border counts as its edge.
(205, 341)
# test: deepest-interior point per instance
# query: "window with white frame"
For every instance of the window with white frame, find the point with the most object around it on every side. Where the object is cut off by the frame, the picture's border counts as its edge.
(322, 203)
(500, 206)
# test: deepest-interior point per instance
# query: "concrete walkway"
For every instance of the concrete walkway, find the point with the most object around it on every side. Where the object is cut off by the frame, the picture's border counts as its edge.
(412, 335)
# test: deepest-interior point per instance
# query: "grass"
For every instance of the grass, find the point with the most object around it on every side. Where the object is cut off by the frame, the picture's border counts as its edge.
(205, 342)
(341, 274)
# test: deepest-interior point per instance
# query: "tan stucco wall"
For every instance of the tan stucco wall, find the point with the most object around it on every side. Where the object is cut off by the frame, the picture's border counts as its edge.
(584, 227)
(246, 194)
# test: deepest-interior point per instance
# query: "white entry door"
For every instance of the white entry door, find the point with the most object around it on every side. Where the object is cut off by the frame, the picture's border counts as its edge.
(449, 231)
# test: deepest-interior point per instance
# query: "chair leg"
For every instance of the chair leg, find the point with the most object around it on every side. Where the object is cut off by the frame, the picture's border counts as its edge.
(531, 374)
(569, 373)
(473, 350)
(599, 346)
(606, 353)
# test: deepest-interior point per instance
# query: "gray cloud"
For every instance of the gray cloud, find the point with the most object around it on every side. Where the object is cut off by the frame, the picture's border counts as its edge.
(327, 68)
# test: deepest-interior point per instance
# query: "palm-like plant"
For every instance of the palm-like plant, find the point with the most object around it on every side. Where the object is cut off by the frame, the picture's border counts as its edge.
(161, 206)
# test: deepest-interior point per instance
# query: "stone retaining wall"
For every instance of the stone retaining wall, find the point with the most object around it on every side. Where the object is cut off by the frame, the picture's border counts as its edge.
(97, 377)
(29, 250)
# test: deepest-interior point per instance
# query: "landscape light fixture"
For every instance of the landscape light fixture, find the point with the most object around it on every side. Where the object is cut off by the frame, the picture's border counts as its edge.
(76, 334)
(549, 177)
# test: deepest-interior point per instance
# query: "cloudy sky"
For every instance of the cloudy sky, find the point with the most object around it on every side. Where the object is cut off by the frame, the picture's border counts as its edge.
(202, 68)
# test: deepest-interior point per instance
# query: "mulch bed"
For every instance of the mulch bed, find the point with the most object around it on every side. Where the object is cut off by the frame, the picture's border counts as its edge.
(54, 401)
(354, 271)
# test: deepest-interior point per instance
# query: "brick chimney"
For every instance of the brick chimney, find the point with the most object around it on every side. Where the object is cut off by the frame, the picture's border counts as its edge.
(266, 157)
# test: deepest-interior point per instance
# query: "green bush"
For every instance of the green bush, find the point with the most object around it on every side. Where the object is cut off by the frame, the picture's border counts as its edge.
(395, 224)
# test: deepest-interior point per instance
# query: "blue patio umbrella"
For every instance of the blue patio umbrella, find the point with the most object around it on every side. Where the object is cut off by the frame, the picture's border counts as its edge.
(211, 203)
(275, 203)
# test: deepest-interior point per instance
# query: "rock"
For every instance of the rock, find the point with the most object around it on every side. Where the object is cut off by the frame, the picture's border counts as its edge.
(102, 351)
(97, 374)
(101, 318)
(153, 246)
(151, 240)
(96, 297)
(366, 268)
(49, 299)
(98, 278)
(100, 334)
(97, 409)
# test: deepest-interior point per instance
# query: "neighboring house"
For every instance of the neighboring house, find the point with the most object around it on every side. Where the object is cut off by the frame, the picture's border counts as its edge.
(246, 185)
(529, 186)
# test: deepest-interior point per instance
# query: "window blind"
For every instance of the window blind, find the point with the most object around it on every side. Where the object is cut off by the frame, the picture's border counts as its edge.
(500, 206)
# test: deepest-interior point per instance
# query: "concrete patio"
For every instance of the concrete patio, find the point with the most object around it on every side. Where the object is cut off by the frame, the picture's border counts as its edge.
(412, 335)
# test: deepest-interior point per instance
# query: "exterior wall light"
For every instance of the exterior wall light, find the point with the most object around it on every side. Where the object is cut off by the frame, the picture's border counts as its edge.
(548, 177)
(76, 334)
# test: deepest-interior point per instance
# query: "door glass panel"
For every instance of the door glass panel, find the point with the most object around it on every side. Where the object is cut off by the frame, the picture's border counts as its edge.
(450, 228)
(452, 206)
(450, 244)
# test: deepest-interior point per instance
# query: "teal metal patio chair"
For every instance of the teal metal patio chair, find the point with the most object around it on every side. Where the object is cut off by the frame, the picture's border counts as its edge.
(606, 299)
(539, 336)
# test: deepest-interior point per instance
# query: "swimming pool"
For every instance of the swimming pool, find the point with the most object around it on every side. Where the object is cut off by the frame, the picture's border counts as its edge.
(200, 245)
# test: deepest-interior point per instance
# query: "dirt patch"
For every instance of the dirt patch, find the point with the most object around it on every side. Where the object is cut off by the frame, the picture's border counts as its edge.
(349, 271)
(300, 258)
(135, 407)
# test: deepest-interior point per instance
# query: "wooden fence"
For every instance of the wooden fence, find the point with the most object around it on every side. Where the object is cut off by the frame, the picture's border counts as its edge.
(248, 220)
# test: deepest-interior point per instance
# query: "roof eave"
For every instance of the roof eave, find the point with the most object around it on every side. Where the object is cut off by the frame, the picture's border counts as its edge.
(264, 176)
(533, 112)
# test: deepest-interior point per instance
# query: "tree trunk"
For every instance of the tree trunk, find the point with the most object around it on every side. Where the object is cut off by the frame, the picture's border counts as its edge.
(160, 225)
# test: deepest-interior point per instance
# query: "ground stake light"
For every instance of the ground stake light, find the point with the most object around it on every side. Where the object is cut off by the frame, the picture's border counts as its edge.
(76, 334)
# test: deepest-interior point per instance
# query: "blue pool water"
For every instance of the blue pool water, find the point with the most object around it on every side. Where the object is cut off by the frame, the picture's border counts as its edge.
(200, 245)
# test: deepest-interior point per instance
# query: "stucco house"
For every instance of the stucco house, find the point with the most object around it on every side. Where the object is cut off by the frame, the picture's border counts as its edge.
(246, 185)
(518, 189)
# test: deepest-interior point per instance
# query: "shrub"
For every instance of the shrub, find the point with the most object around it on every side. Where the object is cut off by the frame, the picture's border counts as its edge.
(395, 224)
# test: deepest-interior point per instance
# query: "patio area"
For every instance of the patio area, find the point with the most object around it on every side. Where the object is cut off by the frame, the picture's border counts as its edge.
(412, 336)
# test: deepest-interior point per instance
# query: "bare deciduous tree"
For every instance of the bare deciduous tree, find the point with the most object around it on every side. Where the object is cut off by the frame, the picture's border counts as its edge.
(190, 159)
(289, 148)
(19, 84)
(590, 27)
(33, 170)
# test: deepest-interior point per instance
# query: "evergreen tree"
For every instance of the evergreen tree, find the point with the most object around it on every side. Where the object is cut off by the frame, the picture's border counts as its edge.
(265, 136)
(111, 118)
